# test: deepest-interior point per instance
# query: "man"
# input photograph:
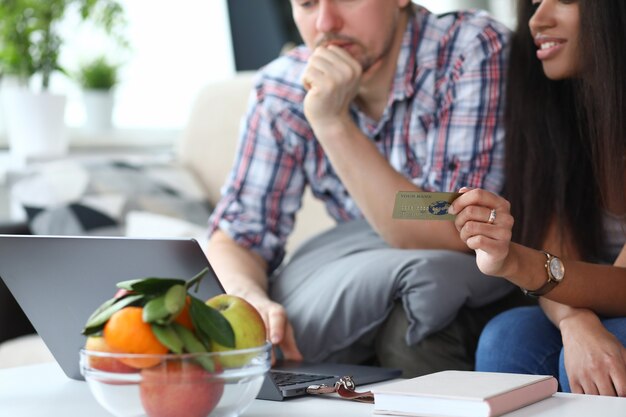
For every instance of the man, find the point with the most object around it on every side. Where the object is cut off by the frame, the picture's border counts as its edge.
(384, 97)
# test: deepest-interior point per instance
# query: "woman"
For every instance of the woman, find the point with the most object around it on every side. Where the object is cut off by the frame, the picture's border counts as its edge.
(566, 190)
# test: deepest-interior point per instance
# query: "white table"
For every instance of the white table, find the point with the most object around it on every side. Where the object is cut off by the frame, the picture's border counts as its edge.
(43, 390)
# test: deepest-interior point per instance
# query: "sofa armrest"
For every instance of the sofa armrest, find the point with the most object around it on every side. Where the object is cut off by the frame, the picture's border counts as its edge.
(208, 143)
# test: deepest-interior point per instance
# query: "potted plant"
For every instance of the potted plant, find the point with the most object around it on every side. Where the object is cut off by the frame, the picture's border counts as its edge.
(97, 79)
(30, 46)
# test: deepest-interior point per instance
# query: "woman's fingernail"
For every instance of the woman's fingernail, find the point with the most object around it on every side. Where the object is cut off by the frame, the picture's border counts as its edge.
(451, 210)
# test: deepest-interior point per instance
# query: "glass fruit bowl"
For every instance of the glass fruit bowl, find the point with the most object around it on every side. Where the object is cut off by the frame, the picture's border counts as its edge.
(216, 384)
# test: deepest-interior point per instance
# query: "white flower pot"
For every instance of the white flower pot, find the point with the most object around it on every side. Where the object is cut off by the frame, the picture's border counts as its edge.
(35, 123)
(98, 109)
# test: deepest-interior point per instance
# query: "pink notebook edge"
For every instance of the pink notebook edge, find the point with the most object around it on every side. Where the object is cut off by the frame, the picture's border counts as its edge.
(522, 396)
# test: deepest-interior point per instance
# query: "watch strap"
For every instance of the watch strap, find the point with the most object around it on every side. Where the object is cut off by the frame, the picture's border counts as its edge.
(549, 284)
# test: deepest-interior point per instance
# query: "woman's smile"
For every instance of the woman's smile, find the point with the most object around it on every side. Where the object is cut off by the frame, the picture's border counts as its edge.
(548, 47)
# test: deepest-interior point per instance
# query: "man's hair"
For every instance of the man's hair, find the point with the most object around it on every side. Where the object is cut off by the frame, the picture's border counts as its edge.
(565, 139)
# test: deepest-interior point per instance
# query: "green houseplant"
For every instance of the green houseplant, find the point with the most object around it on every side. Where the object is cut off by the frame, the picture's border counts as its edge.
(98, 74)
(31, 42)
(97, 79)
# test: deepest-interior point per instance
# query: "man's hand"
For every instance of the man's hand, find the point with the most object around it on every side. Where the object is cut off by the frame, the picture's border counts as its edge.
(279, 330)
(332, 79)
(243, 274)
(594, 359)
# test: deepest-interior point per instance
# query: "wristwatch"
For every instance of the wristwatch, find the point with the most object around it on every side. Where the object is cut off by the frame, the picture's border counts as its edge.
(556, 272)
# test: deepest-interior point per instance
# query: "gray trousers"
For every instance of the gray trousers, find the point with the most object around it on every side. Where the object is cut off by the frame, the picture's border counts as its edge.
(352, 298)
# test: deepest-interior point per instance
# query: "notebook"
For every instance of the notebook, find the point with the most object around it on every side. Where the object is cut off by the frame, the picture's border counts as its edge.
(60, 280)
(462, 394)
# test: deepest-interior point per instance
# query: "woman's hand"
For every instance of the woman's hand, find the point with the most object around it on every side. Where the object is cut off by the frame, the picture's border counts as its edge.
(485, 224)
(595, 360)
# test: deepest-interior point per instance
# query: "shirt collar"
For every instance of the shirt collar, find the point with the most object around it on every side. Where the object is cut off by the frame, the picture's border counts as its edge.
(403, 86)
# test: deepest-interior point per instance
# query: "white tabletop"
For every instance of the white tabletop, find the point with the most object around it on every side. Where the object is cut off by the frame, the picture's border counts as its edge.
(43, 390)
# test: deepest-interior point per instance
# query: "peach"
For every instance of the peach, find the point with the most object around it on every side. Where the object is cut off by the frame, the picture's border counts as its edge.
(107, 364)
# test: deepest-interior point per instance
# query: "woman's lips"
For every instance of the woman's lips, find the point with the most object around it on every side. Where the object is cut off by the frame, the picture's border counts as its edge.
(548, 48)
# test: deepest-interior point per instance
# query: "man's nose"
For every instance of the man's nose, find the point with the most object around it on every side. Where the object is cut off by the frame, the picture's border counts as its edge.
(329, 19)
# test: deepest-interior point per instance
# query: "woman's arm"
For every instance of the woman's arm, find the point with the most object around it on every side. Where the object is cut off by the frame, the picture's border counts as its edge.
(601, 288)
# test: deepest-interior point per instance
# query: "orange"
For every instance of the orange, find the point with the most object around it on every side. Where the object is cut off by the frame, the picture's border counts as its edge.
(126, 332)
(184, 318)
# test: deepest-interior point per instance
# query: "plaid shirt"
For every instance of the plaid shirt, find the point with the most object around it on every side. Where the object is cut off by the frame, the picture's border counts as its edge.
(441, 128)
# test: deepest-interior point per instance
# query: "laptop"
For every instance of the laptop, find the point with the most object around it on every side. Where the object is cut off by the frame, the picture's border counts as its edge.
(60, 280)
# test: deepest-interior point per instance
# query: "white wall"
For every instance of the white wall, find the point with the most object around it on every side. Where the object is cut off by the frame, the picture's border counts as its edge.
(502, 10)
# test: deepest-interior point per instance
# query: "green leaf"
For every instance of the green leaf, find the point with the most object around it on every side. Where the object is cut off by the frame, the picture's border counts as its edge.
(206, 340)
(191, 344)
(102, 307)
(96, 321)
(150, 285)
(127, 285)
(212, 323)
(168, 337)
(154, 311)
(175, 299)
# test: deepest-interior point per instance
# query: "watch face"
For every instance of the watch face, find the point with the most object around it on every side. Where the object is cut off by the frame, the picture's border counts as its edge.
(557, 269)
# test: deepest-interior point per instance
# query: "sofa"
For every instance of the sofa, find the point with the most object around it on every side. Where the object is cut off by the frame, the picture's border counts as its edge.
(205, 150)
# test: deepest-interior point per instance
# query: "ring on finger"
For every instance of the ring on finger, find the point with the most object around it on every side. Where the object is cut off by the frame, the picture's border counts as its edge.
(492, 216)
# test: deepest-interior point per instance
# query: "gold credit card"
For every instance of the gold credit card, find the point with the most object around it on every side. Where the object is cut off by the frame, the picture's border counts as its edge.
(417, 205)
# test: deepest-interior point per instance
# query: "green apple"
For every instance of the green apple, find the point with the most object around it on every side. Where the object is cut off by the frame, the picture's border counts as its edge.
(247, 324)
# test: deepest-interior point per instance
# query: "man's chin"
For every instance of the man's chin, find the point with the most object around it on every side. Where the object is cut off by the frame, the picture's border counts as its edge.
(370, 68)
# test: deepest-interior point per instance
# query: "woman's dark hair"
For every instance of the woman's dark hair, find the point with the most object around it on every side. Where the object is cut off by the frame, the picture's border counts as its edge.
(565, 139)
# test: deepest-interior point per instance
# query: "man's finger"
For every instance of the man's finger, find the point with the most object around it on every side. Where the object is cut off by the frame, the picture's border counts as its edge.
(289, 346)
(277, 321)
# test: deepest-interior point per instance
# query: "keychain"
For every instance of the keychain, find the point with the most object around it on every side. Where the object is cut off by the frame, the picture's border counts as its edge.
(345, 388)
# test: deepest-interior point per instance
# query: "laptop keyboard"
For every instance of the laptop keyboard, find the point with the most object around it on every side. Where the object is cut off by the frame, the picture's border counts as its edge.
(291, 378)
